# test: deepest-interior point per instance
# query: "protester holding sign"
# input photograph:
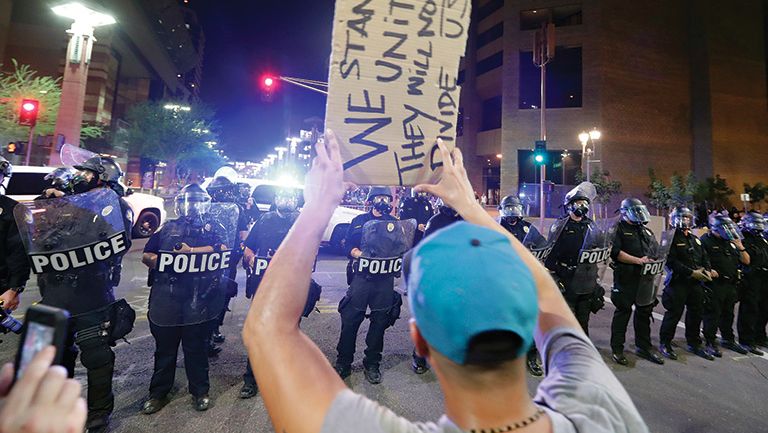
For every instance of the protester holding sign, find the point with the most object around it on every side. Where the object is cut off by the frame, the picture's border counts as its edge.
(187, 261)
(474, 337)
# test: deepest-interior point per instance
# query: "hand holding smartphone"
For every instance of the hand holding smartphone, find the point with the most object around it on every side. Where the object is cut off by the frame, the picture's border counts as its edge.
(43, 326)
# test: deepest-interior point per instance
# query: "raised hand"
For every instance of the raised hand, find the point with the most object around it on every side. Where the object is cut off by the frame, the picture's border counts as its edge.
(324, 184)
(454, 186)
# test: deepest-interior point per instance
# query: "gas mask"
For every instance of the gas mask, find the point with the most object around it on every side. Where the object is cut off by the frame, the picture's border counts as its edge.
(285, 204)
(84, 181)
(580, 208)
(382, 204)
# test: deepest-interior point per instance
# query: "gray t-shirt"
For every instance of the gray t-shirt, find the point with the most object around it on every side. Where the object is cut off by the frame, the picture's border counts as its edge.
(579, 393)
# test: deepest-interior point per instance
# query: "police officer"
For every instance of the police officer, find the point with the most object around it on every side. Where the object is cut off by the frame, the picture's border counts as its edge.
(88, 293)
(754, 289)
(265, 237)
(511, 218)
(633, 246)
(14, 266)
(444, 217)
(725, 251)
(562, 261)
(183, 305)
(223, 190)
(687, 268)
(365, 291)
(417, 207)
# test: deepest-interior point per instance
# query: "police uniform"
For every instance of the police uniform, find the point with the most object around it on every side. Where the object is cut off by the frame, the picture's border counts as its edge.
(364, 291)
(88, 294)
(14, 266)
(681, 290)
(563, 261)
(165, 305)
(638, 241)
(444, 217)
(418, 208)
(718, 312)
(265, 237)
(753, 305)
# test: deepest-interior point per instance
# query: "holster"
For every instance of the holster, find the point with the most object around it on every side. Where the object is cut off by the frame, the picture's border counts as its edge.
(312, 297)
(597, 302)
(394, 311)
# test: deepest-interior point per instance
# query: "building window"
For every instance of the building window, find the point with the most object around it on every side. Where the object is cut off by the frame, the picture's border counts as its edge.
(563, 80)
(490, 63)
(491, 114)
(561, 16)
(490, 35)
(487, 9)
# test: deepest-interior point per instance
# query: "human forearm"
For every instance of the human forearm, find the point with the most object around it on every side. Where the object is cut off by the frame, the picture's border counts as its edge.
(629, 259)
(149, 259)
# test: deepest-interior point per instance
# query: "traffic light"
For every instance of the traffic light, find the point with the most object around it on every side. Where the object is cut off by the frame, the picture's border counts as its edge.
(28, 112)
(268, 84)
(16, 147)
(540, 152)
(11, 147)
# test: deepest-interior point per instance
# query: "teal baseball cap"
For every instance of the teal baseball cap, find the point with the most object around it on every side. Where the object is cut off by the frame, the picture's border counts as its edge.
(465, 280)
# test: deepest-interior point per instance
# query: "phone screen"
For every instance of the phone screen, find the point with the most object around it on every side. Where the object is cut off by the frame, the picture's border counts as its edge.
(38, 336)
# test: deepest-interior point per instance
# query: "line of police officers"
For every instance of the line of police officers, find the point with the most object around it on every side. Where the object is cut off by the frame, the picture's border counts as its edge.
(705, 277)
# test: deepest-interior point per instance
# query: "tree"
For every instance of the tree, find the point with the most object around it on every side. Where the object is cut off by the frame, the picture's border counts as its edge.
(658, 193)
(757, 192)
(714, 192)
(681, 191)
(184, 140)
(20, 83)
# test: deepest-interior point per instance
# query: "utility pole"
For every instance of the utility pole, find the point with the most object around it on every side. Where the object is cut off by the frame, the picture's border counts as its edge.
(543, 53)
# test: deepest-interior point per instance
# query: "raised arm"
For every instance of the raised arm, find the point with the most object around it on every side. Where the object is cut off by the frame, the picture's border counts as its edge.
(296, 370)
(456, 191)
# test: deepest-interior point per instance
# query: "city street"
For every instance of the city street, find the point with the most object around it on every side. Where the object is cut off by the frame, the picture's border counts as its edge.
(689, 395)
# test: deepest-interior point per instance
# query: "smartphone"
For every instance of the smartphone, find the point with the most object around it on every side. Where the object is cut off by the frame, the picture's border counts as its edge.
(43, 326)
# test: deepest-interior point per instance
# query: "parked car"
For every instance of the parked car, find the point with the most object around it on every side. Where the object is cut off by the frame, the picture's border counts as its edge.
(149, 214)
(263, 194)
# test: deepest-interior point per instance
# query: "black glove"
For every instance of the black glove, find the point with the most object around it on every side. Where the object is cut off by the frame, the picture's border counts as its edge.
(597, 302)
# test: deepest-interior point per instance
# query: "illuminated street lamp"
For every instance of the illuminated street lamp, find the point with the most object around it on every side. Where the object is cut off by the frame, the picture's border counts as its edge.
(586, 138)
(70, 116)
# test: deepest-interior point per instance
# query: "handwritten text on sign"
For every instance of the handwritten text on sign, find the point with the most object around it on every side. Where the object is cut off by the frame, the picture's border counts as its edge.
(393, 86)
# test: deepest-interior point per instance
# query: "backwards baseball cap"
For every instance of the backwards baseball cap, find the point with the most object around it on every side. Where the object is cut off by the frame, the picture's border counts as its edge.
(490, 290)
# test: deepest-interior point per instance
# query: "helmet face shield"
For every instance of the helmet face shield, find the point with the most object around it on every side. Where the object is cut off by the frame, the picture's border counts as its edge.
(637, 214)
(512, 211)
(192, 204)
(286, 201)
(753, 222)
(682, 219)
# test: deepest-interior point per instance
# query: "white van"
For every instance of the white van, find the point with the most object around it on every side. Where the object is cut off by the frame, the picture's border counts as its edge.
(28, 182)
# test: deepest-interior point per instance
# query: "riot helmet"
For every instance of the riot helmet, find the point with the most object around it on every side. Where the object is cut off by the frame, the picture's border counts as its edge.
(380, 198)
(62, 179)
(286, 201)
(419, 194)
(96, 171)
(222, 190)
(578, 199)
(723, 226)
(511, 208)
(192, 202)
(633, 210)
(6, 171)
(682, 218)
(753, 222)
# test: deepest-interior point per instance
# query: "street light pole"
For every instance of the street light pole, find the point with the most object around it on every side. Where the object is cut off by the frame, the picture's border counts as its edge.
(543, 53)
(70, 117)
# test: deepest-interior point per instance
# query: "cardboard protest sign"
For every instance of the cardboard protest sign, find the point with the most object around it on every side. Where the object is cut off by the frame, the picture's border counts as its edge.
(392, 86)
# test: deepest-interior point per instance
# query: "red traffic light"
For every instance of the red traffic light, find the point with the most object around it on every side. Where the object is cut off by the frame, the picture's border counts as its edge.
(269, 81)
(28, 112)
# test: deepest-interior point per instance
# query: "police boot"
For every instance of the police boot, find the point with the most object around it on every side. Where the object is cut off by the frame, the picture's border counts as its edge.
(102, 427)
(699, 351)
(534, 367)
(248, 390)
(154, 405)
(713, 350)
(752, 349)
(372, 374)
(619, 358)
(202, 403)
(667, 350)
(218, 338)
(419, 365)
(343, 371)
(213, 350)
(649, 356)
(731, 345)
(762, 343)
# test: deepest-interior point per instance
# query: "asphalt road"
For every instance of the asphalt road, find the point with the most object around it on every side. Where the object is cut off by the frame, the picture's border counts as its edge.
(689, 395)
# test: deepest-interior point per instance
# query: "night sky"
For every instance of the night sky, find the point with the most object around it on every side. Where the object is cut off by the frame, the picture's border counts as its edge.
(247, 38)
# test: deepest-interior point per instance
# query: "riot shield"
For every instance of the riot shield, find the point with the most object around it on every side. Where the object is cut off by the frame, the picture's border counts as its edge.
(71, 232)
(592, 261)
(189, 287)
(383, 245)
(73, 155)
(652, 272)
(538, 245)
